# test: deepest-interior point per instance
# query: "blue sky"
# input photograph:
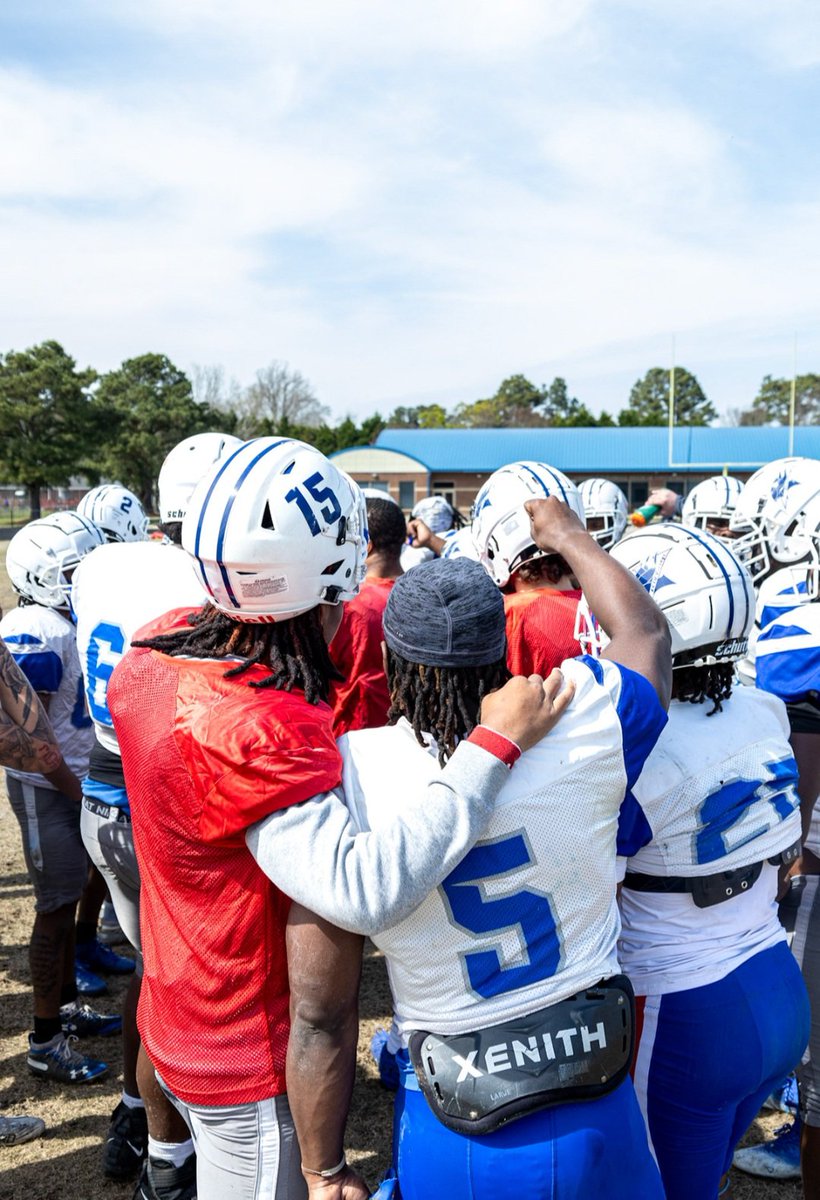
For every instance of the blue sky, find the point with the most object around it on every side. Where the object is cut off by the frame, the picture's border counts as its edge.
(410, 202)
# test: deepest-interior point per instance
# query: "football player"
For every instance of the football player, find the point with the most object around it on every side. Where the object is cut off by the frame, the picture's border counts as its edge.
(541, 595)
(505, 979)
(360, 699)
(431, 520)
(27, 743)
(117, 511)
(131, 583)
(606, 510)
(787, 663)
(221, 719)
(40, 560)
(723, 1008)
(711, 504)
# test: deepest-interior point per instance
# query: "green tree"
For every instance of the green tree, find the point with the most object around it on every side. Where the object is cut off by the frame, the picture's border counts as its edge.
(46, 418)
(559, 409)
(423, 416)
(649, 400)
(514, 404)
(772, 403)
(148, 406)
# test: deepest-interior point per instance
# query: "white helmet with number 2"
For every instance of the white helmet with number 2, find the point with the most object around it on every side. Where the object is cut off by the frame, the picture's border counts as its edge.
(276, 529)
(501, 525)
(700, 586)
(606, 510)
(183, 468)
(41, 556)
(117, 511)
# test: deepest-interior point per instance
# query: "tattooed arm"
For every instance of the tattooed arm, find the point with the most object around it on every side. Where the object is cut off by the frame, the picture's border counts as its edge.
(26, 738)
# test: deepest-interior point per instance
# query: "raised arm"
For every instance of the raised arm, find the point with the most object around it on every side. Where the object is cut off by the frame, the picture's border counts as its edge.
(366, 880)
(637, 629)
(27, 741)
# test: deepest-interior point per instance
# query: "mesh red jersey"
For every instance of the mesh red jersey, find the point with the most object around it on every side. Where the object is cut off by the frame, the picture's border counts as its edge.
(362, 701)
(205, 757)
(540, 629)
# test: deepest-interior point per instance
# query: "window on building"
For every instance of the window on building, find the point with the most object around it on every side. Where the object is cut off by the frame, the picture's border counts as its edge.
(380, 485)
(447, 490)
(675, 485)
(638, 492)
(407, 493)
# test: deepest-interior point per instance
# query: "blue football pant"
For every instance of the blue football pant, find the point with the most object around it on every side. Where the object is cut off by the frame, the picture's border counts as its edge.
(707, 1059)
(570, 1152)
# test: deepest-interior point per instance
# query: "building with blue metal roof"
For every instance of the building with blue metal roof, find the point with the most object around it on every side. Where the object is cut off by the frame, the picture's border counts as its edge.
(411, 463)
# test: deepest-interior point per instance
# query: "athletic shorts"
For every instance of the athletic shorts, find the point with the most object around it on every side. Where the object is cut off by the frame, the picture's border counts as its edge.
(707, 1059)
(593, 1148)
(244, 1151)
(53, 848)
(110, 845)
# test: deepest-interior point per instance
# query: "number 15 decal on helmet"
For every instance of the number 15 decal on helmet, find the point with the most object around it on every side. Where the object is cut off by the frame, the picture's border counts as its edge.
(276, 529)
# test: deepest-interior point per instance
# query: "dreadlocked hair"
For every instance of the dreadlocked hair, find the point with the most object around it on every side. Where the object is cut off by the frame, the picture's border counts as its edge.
(697, 684)
(294, 651)
(441, 701)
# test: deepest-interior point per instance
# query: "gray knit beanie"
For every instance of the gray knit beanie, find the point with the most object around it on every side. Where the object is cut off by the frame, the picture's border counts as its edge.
(446, 613)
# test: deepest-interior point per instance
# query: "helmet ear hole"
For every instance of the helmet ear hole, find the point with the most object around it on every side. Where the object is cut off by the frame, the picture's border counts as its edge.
(267, 517)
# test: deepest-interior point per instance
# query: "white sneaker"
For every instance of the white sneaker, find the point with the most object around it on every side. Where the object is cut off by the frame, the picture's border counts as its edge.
(14, 1130)
(778, 1158)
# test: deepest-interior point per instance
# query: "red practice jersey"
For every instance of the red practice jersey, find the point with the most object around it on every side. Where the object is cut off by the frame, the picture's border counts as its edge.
(362, 700)
(205, 757)
(540, 630)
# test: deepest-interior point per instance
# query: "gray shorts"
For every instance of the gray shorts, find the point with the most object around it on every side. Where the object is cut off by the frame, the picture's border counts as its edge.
(53, 848)
(110, 845)
(244, 1151)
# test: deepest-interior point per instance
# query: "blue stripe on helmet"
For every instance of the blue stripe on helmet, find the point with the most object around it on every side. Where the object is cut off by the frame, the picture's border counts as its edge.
(222, 468)
(541, 483)
(724, 572)
(223, 525)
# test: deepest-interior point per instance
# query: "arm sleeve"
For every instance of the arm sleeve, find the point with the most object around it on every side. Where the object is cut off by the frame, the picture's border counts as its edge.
(642, 720)
(367, 880)
(40, 665)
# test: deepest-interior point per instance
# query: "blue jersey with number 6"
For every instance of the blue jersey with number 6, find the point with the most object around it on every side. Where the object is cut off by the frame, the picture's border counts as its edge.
(529, 915)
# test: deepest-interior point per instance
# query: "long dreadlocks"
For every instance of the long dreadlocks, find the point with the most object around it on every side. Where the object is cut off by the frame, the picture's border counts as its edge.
(697, 684)
(294, 651)
(441, 701)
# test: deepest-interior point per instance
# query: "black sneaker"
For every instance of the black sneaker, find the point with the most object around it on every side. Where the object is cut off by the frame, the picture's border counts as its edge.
(58, 1060)
(127, 1142)
(161, 1180)
(81, 1020)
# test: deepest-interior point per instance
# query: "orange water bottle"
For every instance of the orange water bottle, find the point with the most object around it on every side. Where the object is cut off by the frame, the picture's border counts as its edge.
(642, 516)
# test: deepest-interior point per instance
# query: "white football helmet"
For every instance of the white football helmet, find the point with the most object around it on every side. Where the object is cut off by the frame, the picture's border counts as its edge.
(711, 501)
(702, 588)
(436, 512)
(606, 510)
(769, 516)
(183, 468)
(42, 555)
(117, 511)
(501, 524)
(276, 529)
(459, 543)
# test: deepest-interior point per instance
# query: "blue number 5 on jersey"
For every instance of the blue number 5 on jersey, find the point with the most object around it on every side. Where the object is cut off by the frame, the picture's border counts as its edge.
(528, 913)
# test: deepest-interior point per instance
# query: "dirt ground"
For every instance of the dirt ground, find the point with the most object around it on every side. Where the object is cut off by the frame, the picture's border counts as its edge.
(65, 1163)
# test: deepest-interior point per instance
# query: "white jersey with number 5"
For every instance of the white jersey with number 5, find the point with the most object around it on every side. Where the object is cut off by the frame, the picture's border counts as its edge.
(529, 916)
(115, 591)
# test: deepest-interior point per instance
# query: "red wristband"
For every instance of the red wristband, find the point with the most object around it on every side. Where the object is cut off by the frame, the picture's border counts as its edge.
(496, 743)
